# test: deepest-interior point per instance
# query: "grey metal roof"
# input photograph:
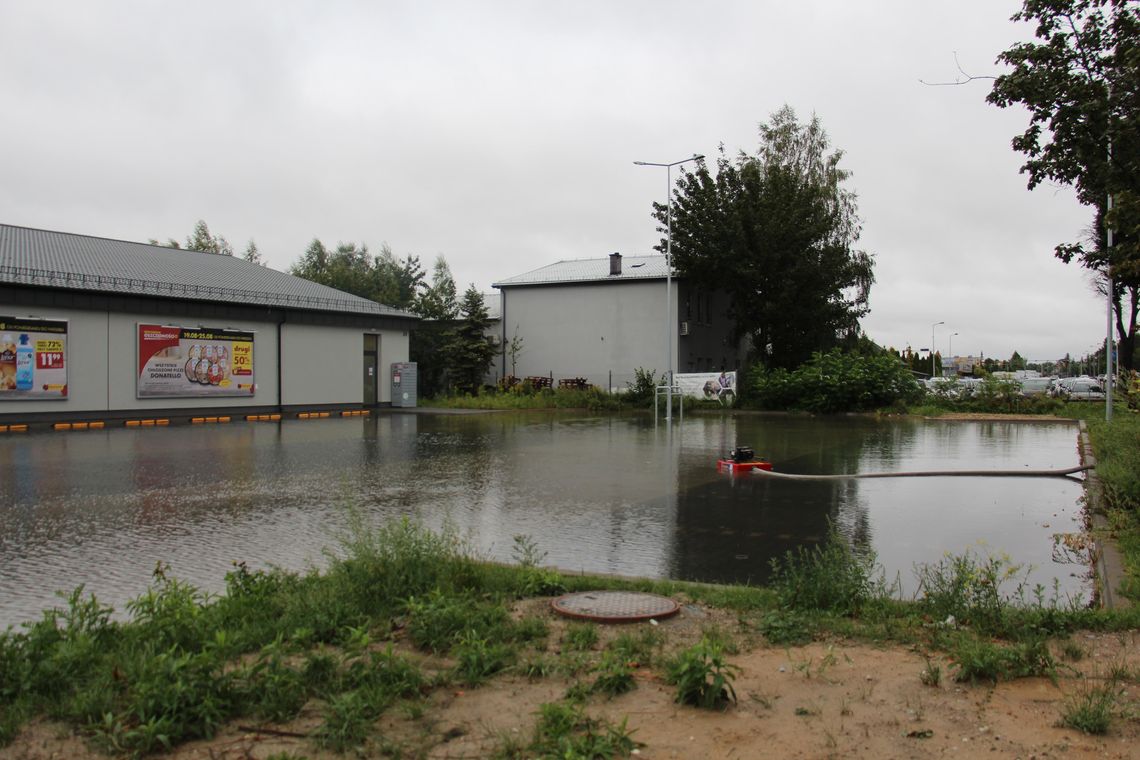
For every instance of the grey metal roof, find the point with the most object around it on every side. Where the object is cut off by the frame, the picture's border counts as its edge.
(493, 302)
(79, 262)
(590, 270)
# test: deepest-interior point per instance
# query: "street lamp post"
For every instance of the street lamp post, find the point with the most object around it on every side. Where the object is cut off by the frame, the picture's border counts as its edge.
(950, 350)
(669, 275)
(932, 347)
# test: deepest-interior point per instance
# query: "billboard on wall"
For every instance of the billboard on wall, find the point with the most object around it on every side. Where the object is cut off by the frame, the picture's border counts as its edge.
(193, 362)
(33, 359)
(718, 386)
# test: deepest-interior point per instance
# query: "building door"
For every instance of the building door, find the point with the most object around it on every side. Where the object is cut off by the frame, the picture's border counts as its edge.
(371, 369)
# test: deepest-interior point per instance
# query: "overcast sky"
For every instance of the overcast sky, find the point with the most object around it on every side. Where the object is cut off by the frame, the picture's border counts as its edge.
(502, 135)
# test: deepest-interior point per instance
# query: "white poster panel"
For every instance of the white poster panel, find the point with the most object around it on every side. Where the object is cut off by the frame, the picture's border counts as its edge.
(33, 359)
(712, 386)
(194, 362)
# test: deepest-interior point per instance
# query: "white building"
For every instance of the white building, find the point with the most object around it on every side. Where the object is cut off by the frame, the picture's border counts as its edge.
(602, 318)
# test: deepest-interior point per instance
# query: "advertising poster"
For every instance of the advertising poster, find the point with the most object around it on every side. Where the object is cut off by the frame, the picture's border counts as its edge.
(33, 359)
(193, 362)
(713, 386)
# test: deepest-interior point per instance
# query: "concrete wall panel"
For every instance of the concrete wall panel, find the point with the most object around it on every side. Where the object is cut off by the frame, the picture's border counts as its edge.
(322, 365)
(589, 330)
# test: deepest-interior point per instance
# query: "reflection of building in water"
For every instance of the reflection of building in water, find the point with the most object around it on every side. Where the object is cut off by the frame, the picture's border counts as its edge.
(113, 329)
(729, 528)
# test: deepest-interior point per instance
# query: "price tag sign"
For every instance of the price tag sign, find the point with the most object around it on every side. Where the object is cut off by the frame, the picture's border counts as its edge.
(242, 358)
(49, 354)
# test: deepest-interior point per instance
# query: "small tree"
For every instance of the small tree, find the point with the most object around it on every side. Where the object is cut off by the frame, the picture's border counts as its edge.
(202, 240)
(433, 338)
(472, 352)
(514, 348)
(252, 254)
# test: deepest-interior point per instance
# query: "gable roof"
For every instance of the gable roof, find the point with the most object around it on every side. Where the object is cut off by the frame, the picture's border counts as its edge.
(43, 258)
(590, 270)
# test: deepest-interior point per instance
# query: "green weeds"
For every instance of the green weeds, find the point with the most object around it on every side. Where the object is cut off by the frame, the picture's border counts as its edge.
(564, 730)
(978, 660)
(833, 578)
(276, 643)
(615, 674)
(702, 676)
(580, 636)
(477, 658)
(1090, 709)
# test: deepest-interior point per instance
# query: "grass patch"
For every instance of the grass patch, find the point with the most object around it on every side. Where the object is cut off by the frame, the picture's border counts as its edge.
(1091, 708)
(614, 674)
(979, 660)
(829, 578)
(565, 730)
(580, 637)
(186, 662)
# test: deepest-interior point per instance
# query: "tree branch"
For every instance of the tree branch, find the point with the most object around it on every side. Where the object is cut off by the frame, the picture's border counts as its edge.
(958, 81)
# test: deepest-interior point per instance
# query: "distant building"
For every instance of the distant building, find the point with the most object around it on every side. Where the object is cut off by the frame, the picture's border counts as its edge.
(120, 329)
(601, 319)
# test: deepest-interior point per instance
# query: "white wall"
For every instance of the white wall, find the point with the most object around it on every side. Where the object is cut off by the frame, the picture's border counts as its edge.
(590, 330)
(394, 347)
(322, 365)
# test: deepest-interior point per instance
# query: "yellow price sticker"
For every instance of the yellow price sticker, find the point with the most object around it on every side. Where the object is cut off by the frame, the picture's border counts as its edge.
(241, 358)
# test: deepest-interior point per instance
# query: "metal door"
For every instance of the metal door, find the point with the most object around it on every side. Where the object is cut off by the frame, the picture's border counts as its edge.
(371, 376)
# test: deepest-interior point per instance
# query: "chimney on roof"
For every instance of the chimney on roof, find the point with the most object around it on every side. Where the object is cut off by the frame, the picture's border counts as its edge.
(615, 264)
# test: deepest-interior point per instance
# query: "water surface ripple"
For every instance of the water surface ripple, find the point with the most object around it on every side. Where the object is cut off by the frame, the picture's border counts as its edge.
(610, 494)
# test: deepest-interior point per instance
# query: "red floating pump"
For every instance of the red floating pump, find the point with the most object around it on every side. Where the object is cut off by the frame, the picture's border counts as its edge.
(742, 459)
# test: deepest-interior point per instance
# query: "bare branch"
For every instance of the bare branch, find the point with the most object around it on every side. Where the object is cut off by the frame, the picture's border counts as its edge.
(964, 78)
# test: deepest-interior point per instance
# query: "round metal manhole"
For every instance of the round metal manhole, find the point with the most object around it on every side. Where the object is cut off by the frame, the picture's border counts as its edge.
(615, 606)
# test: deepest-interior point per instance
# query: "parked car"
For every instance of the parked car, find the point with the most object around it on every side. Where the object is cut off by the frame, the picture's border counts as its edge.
(1078, 389)
(1035, 386)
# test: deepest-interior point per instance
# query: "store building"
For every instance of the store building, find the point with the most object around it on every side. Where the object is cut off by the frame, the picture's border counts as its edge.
(92, 327)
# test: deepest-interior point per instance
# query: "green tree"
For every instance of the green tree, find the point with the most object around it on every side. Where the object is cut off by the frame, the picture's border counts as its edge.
(202, 240)
(776, 231)
(1079, 81)
(471, 350)
(351, 268)
(432, 340)
(397, 282)
(438, 300)
(252, 253)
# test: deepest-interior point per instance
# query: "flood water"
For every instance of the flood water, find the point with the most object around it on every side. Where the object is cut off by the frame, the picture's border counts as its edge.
(614, 494)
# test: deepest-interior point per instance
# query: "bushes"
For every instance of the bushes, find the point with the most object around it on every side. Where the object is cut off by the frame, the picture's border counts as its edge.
(834, 578)
(523, 396)
(836, 382)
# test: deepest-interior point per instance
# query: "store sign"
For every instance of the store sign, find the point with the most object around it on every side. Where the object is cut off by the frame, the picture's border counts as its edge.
(192, 362)
(33, 359)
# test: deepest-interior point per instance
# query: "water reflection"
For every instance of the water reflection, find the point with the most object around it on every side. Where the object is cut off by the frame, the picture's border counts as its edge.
(602, 494)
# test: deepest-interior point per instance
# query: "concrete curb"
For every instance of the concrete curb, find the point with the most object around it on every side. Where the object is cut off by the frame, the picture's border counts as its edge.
(1107, 562)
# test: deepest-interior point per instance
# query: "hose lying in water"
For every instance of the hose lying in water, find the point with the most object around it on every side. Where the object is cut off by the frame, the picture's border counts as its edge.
(933, 474)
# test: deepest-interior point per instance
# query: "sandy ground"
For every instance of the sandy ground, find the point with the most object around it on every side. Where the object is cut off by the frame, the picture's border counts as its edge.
(832, 698)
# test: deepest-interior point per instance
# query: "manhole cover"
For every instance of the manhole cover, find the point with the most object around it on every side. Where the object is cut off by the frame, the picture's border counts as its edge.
(614, 606)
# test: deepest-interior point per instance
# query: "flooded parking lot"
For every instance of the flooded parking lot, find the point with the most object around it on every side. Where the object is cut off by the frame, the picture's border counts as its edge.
(613, 494)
